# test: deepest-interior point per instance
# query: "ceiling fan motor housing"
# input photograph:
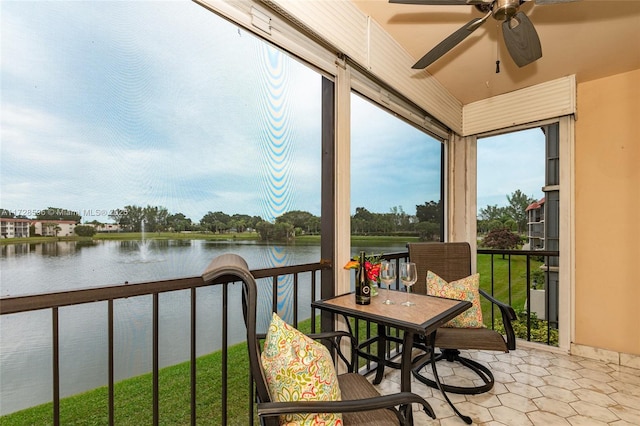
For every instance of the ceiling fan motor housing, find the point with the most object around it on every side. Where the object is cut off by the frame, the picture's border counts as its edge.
(504, 9)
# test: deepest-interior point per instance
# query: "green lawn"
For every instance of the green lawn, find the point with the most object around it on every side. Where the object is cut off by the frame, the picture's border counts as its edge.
(133, 397)
(501, 273)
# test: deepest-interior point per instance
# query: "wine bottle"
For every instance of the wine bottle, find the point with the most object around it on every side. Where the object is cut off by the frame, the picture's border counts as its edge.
(363, 289)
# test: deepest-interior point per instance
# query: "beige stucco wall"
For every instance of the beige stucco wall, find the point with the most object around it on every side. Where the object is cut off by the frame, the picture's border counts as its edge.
(607, 222)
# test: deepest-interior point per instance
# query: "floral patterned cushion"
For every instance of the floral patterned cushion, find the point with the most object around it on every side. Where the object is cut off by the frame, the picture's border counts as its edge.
(299, 368)
(463, 289)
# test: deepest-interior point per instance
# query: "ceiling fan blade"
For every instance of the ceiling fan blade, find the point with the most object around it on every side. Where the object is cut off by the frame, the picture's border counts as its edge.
(449, 43)
(521, 39)
(432, 2)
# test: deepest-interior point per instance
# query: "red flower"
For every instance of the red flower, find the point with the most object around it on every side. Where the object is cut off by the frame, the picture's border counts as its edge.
(371, 266)
(373, 270)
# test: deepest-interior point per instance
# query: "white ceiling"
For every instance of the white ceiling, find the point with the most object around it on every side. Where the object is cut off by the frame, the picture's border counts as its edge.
(589, 38)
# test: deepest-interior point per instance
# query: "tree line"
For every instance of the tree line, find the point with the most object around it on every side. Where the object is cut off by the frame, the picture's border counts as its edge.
(426, 223)
(512, 217)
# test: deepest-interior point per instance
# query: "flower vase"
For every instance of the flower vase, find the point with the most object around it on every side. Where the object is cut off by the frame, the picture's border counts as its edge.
(374, 288)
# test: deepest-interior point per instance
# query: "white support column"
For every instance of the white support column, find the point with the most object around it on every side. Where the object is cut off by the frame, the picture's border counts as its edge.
(342, 190)
(566, 278)
(461, 202)
(342, 177)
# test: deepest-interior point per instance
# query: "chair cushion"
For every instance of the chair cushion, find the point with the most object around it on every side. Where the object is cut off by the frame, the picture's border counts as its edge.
(297, 368)
(355, 386)
(462, 289)
(467, 338)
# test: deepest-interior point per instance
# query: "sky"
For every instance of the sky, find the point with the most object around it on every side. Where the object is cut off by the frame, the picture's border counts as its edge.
(103, 106)
(510, 162)
(392, 163)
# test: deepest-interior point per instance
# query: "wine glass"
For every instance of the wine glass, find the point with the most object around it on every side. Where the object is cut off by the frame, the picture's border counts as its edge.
(387, 277)
(408, 276)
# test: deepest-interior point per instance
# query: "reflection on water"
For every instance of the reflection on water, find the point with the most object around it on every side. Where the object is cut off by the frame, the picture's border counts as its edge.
(25, 339)
(54, 248)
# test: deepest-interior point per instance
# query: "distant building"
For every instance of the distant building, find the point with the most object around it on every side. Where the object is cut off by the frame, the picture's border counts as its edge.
(536, 225)
(20, 228)
(14, 228)
(542, 232)
(105, 227)
(54, 228)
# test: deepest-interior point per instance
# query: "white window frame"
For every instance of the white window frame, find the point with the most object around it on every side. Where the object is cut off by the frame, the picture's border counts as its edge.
(566, 292)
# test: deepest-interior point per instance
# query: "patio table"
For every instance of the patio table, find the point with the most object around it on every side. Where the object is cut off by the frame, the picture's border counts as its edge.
(421, 319)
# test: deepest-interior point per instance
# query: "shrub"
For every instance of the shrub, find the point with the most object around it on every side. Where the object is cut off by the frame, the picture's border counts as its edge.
(538, 328)
(501, 239)
(85, 230)
(538, 276)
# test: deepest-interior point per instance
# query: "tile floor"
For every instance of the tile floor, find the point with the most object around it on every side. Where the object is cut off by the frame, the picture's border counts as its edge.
(534, 387)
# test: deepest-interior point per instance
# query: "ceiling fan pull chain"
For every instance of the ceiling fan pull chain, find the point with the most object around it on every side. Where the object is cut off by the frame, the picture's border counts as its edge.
(497, 51)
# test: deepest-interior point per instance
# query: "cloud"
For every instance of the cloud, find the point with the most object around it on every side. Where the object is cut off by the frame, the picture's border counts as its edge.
(107, 104)
(392, 163)
(510, 162)
(97, 113)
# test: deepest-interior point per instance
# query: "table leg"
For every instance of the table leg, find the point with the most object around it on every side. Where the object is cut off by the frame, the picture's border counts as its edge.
(382, 346)
(405, 371)
(432, 337)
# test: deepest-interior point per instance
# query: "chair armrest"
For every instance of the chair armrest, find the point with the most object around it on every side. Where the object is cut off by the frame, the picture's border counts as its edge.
(508, 315)
(269, 409)
(331, 335)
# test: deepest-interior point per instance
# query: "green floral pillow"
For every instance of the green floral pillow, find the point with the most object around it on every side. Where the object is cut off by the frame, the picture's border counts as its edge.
(299, 368)
(463, 289)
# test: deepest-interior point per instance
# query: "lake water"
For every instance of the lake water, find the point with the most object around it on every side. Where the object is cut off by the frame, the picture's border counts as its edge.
(25, 339)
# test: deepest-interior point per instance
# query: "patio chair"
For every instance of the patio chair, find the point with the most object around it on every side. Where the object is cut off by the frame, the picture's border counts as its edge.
(452, 261)
(360, 402)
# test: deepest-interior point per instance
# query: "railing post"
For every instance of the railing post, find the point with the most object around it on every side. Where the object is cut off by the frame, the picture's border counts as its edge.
(193, 355)
(225, 348)
(528, 298)
(510, 281)
(547, 293)
(492, 291)
(156, 376)
(295, 300)
(111, 378)
(56, 367)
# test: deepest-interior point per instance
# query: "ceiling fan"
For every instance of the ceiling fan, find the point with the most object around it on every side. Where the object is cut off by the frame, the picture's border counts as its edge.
(519, 34)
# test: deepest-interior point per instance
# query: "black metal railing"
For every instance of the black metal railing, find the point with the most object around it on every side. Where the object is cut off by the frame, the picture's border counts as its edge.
(109, 294)
(507, 284)
(510, 286)
(502, 285)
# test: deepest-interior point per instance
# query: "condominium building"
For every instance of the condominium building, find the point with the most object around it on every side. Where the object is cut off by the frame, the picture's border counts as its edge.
(14, 228)
(54, 228)
(535, 225)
